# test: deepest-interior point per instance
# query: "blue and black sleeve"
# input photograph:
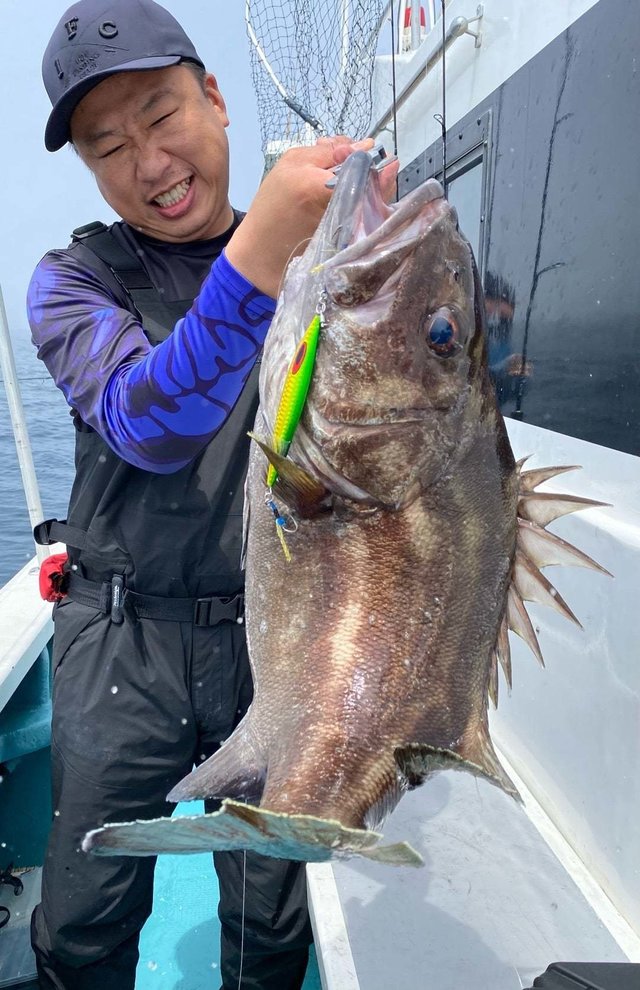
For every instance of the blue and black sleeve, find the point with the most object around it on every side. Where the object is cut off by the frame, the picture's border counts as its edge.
(155, 407)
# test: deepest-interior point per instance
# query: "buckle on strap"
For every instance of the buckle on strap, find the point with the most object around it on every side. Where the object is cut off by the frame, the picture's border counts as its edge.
(42, 533)
(211, 611)
(58, 531)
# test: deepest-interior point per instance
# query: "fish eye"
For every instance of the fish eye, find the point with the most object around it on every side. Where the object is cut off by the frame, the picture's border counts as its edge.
(442, 333)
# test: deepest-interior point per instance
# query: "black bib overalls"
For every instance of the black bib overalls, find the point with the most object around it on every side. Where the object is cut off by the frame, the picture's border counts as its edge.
(138, 700)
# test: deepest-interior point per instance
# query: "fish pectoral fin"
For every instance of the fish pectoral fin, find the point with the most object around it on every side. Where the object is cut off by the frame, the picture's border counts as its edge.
(243, 826)
(418, 761)
(295, 486)
(236, 770)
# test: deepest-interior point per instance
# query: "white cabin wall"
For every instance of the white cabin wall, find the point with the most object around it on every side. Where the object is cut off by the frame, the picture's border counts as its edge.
(572, 730)
(513, 31)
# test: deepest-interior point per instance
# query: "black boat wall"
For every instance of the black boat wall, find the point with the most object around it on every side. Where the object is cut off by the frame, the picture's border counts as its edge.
(545, 173)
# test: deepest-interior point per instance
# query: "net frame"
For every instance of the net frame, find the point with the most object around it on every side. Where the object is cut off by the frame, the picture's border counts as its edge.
(312, 63)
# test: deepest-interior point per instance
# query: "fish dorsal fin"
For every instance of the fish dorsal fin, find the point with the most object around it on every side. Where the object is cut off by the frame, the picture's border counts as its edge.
(536, 548)
(295, 486)
(543, 507)
(417, 761)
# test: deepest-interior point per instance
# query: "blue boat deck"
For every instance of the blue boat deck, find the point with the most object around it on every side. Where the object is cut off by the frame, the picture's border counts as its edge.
(180, 944)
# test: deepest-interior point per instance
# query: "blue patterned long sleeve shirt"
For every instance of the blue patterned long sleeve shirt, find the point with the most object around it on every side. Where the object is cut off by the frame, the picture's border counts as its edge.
(156, 407)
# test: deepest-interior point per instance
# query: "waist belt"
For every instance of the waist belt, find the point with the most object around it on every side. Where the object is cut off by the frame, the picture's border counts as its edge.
(111, 596)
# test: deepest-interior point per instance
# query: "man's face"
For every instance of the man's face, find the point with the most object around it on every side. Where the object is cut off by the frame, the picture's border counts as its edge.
(156, 143)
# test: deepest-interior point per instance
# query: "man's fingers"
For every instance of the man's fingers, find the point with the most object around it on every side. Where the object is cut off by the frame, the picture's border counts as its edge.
(328, 152)
(389, 180)
(343, 150)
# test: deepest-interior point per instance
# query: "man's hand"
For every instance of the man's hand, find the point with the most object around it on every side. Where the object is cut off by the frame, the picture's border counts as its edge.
(289, 206)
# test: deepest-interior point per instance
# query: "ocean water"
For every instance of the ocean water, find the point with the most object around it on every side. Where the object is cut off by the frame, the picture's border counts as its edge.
(52, 439)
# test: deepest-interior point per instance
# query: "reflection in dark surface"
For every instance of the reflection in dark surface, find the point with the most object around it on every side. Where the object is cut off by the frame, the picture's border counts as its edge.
(509, 370)
(561, 231)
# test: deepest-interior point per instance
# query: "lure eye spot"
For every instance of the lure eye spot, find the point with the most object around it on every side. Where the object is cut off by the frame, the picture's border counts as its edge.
(298, 359)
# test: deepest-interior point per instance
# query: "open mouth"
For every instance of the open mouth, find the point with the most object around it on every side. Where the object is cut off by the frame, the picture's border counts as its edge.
(377, 228)
(174, 195)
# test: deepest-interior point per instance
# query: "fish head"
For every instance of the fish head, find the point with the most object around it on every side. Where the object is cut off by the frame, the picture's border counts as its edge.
(400, 345)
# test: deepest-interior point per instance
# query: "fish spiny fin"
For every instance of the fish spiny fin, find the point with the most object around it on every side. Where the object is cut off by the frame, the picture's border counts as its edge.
(518, 620)
(244, 826)
(504, 651)
(531, 479)
(543, 507)
(418, 761)
(533, 586)
(536, 548)
(544, 549)
(493, 678)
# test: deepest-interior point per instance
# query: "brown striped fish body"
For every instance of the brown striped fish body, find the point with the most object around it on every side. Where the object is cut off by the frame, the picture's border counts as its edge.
(413, 539)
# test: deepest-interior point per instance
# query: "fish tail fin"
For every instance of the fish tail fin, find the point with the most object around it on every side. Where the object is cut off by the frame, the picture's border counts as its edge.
(243, 826)
(417, 761)
(238, 770)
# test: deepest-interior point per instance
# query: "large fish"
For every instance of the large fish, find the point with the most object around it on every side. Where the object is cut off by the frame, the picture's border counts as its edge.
(414, 540)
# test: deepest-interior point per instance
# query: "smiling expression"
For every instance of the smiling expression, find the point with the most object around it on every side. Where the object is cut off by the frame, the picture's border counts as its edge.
(156, 143)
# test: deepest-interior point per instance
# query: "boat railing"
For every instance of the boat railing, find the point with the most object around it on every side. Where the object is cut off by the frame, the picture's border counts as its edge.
(430, 53)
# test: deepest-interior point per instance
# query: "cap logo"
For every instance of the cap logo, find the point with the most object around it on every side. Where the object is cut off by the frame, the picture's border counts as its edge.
(85, 64)
(108, 29)
(72, 28)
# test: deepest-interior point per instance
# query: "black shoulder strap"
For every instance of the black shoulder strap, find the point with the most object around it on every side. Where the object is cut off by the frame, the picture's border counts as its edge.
(158, 317)
(98, 237)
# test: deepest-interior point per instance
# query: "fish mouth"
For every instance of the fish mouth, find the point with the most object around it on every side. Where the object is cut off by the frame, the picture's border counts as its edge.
(359, 221)
(367, 244)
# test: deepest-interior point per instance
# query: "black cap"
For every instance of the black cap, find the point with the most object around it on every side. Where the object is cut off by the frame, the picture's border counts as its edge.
(96, 38)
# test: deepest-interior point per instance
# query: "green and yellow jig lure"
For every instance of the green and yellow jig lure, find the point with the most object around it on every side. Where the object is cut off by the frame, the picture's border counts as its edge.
(292, 400)
(294, 394)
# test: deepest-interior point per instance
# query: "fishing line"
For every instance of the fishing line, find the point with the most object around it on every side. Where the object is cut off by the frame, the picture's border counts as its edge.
(442, 117)
(37, 378)
(244, 892)
(393, 87)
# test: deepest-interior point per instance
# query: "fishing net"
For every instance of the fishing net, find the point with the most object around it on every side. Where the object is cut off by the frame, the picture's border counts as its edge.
(312, 62)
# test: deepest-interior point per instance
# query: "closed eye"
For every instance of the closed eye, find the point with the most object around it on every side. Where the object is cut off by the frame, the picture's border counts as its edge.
(111, 151)
(164, 117)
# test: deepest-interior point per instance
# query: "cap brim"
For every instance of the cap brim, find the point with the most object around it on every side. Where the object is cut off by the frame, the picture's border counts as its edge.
(57, 131)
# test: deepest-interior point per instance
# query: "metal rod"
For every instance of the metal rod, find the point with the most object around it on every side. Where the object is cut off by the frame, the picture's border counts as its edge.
(456, 29)
(19, 423)
(393, 86)
(290, 101)
(416, 10)
(444, 102)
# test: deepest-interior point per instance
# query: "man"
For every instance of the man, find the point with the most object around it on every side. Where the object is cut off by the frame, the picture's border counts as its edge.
(156, 350)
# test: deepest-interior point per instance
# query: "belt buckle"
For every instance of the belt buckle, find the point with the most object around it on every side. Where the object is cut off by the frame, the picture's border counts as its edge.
(233, 608)
(202, 611)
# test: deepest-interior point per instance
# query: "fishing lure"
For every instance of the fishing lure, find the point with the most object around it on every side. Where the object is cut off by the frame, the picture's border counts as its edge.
(294, 395)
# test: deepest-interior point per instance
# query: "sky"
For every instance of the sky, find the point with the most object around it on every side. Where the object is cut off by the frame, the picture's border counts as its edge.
(44, 195)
